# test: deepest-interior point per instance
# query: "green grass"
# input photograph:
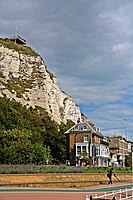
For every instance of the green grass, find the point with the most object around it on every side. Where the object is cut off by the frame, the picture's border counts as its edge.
(17, 47)
(18, 86)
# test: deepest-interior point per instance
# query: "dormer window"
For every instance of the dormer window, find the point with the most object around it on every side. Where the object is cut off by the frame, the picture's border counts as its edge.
(76, 127)
(85, 127)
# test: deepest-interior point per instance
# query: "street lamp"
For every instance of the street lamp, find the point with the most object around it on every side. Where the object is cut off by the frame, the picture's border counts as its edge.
(132, 165)
(132, 160)
(123, 160)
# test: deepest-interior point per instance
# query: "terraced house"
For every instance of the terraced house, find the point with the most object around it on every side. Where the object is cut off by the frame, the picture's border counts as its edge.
(86, 145)
(119, 148)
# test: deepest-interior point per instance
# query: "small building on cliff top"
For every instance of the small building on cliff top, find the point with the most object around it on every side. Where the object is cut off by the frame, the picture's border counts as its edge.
(18, 40)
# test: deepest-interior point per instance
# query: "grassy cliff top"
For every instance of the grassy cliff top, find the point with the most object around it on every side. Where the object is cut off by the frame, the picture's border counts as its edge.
(18, 47)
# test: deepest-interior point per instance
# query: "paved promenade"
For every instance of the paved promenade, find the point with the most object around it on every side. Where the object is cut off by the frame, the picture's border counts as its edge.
(77, 193)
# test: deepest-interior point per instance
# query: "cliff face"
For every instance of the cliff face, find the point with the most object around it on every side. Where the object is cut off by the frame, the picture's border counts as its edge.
(25, 78)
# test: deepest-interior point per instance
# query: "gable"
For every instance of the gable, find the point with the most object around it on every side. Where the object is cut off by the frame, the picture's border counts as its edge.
(81, 126)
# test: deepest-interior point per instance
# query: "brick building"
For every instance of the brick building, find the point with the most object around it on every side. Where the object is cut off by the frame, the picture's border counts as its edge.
(119, 147)
(84, 141)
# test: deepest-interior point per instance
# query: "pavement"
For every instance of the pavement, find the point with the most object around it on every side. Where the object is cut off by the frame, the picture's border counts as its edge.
(75, 193)
(110, 187)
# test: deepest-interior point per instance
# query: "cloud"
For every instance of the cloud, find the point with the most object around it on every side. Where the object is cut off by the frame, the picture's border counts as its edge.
(121, 48)
(88, 46)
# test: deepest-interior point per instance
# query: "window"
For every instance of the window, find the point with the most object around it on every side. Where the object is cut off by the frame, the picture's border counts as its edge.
(97, 151)
(78, 150)
(76, 127)
(85, 138)
(84, 149)
(105, 151)
(115, 156)
(85, 127)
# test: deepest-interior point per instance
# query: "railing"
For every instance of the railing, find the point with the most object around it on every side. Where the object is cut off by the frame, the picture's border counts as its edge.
(114, 195)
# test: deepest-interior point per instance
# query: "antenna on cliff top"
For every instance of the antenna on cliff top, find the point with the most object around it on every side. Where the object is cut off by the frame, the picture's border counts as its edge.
(17, 39)
(16, 34)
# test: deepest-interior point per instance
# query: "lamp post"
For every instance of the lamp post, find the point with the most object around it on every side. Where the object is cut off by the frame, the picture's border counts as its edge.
(132, 165)
(123, 155)
(132, 160)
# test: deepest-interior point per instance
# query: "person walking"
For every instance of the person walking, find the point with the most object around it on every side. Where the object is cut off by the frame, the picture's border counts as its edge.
(109, 175)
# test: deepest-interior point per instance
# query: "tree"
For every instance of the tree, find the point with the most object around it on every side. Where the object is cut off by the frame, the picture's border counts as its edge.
(20, 125)
(15, 147)
(10, 118)
(62, 137)
(40, 154)
(128, 160)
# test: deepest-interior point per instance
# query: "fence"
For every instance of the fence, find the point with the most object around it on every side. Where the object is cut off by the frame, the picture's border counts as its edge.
(114, 195)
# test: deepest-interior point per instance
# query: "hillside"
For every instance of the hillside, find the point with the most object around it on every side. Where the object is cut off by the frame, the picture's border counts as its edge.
(25, 78)
(35, 113)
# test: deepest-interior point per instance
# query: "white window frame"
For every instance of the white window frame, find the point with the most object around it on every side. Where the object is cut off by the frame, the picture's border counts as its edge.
(81, 145)
(86, 139)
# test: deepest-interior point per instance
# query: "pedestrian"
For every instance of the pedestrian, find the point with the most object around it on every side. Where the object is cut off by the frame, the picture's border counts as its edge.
(109, 175)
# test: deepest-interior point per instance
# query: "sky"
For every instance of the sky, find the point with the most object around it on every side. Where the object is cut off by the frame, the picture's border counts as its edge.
(88, 46)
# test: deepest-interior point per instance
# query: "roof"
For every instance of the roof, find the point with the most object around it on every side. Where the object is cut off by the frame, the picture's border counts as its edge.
(81, 126)
(17, 39)
(99, 134)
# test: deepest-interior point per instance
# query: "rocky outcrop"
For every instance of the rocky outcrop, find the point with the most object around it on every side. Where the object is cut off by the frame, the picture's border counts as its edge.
(26, 79)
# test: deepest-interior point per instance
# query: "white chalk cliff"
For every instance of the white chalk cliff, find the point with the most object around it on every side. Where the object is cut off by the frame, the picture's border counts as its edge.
(26, 79)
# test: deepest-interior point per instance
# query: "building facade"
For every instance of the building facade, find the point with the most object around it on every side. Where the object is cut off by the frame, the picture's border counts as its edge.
(86, 145)
(119, 147)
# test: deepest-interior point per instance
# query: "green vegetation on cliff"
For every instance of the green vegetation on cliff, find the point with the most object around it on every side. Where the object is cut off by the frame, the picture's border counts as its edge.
(17, 47)
(29, 136)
